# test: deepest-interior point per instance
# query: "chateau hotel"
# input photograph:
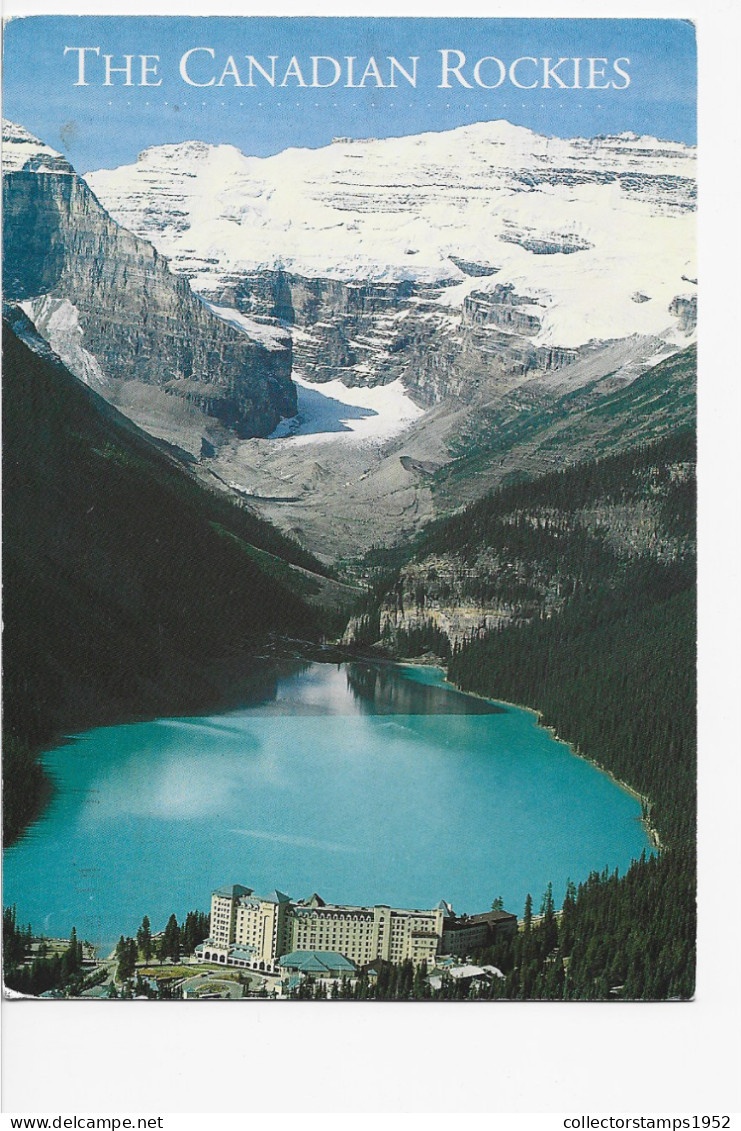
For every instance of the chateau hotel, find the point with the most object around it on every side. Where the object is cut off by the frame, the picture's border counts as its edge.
(256, 931)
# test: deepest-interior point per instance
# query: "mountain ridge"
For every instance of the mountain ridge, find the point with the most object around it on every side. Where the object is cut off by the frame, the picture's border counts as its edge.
(462, 263)
(111, 307)
(387, 192)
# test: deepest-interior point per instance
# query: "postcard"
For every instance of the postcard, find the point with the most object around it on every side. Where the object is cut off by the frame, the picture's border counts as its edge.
(349, 509)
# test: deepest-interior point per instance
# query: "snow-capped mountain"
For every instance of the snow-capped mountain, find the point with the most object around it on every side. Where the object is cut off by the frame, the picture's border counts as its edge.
(486, 273)
(555, 242)
(121, 321)
(24, 152)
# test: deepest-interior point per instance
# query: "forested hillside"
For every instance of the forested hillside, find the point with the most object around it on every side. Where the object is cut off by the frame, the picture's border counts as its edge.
(615, 677)
(584, 585)
(125, 581)
(528, 549)
(534, 430)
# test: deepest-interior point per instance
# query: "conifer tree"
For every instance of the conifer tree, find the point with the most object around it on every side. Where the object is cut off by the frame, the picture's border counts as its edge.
(144, 939)
(528, 916)
(171, 940)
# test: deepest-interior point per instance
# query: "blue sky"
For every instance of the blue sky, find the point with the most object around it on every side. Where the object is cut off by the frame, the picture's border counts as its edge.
(99, 126)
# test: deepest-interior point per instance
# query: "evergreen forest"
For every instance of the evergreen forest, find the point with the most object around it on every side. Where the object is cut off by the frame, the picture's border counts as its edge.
(592, 570)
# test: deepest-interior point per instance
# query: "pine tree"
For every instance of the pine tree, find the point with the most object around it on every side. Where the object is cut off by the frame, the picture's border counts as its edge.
(528, 916)
(566, 926)
(71, 959)
(144, 939)
(171, 940)
(549, 926)
(126, 956)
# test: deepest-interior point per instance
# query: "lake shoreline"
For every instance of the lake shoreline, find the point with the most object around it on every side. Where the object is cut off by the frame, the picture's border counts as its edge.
(645, 802)
(114, 779)
(230, 678)
(289, 650)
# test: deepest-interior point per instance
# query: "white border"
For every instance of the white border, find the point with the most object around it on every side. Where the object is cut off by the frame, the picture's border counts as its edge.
(455, 1058)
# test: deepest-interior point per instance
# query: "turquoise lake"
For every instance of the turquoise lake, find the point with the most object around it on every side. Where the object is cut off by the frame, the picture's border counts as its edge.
(364, 782)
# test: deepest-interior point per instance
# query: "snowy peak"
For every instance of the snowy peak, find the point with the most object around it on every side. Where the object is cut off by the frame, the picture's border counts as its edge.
(390, 208)
(14, 133)
(185, 156)
(578, 227)
(113, 311)
(23, 151)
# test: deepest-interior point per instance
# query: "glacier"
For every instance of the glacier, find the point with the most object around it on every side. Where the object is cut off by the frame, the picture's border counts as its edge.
(579, 226)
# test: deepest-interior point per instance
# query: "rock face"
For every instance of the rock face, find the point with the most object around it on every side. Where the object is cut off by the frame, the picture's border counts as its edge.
(461, 261)
(523, 553)
(372, 333)
(111, 308)
(684, 308)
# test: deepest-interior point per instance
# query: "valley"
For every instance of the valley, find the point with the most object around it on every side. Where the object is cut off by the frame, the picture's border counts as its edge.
(427, 398)
(341, 493)
(347, 384)
(500, 281)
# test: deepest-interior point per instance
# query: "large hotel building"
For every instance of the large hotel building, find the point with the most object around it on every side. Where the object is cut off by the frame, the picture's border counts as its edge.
(256, 931)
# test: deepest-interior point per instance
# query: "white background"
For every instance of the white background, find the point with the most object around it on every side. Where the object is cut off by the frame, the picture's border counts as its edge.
(508, 1057)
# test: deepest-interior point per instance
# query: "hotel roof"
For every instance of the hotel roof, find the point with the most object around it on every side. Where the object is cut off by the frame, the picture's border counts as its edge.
(491, 916)
(367, 908)
(242, 952)
(317, 962)
(274, 896)
(314, 900)
(233, 890)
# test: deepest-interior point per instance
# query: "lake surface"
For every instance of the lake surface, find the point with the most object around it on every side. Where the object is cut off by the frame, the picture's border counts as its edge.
(366, 783)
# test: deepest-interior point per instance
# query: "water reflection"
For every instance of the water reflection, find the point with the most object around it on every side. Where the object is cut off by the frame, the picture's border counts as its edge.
(379, 691)
(364, 782)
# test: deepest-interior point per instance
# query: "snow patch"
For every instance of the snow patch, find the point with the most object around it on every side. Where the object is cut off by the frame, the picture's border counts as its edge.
(352, 212)
(58, 321)
(271, 337)
(332, 411)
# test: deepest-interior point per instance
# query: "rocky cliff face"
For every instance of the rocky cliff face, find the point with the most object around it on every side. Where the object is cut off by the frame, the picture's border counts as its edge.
(111, 308)
(524, 552)
(372, 333)
(460, 261)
